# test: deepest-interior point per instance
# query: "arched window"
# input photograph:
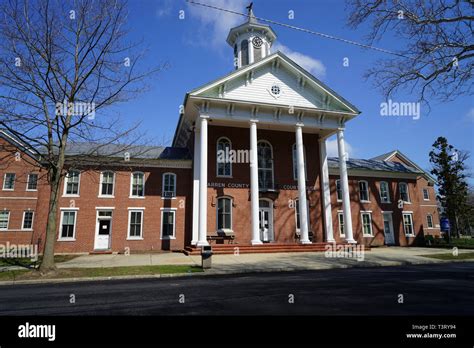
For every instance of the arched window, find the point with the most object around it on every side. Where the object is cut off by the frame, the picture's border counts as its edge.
(295, 162)
(169, 185)
(265, 165)
(223, 163)
(244, 52)
(384, 192)
(224, 213)
(364, 191)
(403, 188)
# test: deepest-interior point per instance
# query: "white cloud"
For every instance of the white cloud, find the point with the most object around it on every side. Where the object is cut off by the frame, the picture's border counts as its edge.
(314, 66)
(164, 8)
(470, 114)
(218, 23)
(331, 148)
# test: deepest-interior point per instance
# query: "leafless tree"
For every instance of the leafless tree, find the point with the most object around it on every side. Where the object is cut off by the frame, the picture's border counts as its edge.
(61, 64)
(438, 59)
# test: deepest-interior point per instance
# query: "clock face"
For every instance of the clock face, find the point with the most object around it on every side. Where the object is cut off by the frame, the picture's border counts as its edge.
(257, 42)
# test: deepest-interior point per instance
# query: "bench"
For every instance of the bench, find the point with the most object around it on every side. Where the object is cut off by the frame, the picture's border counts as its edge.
(222, 236)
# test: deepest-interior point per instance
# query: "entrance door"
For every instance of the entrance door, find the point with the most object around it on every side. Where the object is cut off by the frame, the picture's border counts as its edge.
(102, 238)
(388, 229)
(266, 220)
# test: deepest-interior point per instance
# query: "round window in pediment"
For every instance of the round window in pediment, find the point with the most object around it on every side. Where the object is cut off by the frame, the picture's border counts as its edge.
(257, 42)
(276, 90)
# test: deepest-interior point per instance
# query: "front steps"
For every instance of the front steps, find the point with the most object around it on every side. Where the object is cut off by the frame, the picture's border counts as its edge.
(226, 249)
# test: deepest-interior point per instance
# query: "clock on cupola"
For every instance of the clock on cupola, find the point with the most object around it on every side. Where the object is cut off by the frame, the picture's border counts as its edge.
(251, 40)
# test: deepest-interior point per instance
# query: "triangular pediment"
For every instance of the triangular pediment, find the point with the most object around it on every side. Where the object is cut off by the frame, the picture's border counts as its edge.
(258, 83)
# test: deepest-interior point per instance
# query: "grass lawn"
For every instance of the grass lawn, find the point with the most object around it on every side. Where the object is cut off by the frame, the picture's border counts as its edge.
(27, 263)
(450, 256)
(461, 243)
(99, 272)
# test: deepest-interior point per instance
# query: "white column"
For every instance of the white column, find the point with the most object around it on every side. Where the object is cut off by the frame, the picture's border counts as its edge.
(304, 237)
(196, 173)
(254, 195)
(346, 203)
(326, 192)
(250, 49)
(202, 238)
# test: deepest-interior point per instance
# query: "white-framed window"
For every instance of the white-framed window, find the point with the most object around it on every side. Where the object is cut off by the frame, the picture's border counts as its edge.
(366, 220)
(223, 163)
(135, 224)
(68, 225)
(169, 185)
(340, 219)
(364, 191)
(295, 162)
(168, 223)
(297, 215)
(72, 183)
(429, 221)
(107, 183)
(27, 223)
(4, 219)
(426, 194)
(384, 192)
(408, 224)
(265, 165)
(32, 182)
(403, 188)
(9, 181)
(224, 213)
(137, 184)
(338, 190)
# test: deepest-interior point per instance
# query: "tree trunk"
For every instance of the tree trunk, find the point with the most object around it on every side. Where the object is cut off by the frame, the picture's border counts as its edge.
(47, 263)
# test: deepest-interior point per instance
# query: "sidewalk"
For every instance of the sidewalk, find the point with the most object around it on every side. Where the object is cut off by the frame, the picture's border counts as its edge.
(392, 256)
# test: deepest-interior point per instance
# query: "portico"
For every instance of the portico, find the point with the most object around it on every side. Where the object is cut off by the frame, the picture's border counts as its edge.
(267, 97)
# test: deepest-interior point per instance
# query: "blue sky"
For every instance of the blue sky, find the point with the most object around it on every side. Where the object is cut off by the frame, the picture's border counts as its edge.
(195, 52)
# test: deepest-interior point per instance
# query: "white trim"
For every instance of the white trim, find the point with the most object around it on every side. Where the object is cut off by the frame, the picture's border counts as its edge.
(273, 163)
(67, 239)
(231, 211)
(5, 180)
(78, 184)
(68, 208)
(163, 196)
(369, 212)
(130, 211)
(18, 197)
(408, 192)
(427, 222)
(8, 219)
(131, 184)
(28, 182)
(412, 224)
(23, 220)
(340, 213)
(101, 181)
(106, 208)
(388, 192)
(337, 197)
(360, 192)
(168, 210)
(423, 190)
(136, 208)
(97, 226)
(217, 163)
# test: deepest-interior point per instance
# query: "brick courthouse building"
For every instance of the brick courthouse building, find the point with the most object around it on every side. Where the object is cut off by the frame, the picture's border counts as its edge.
(271, 118)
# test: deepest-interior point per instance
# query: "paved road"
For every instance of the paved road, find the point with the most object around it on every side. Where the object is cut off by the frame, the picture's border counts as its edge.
(427, 289)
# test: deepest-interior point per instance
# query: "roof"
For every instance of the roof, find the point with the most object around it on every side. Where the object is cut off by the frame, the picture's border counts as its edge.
(371, 164)
(135, 151)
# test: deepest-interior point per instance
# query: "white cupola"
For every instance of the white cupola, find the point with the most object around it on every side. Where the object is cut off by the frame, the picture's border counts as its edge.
(251, 41)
